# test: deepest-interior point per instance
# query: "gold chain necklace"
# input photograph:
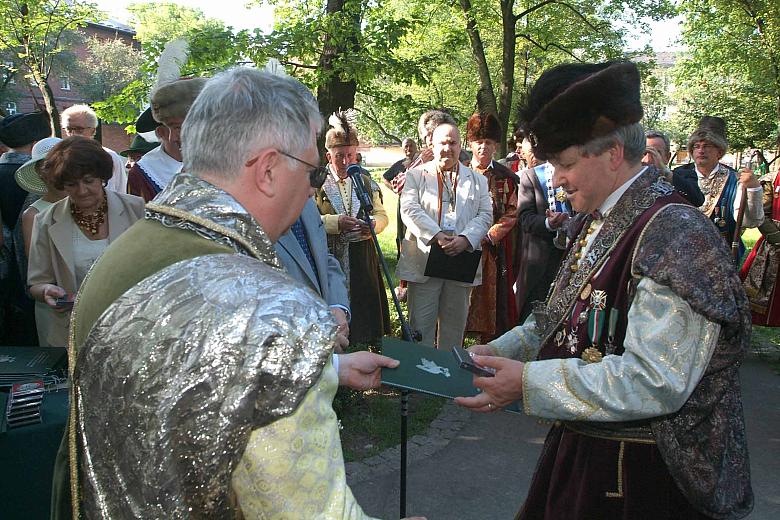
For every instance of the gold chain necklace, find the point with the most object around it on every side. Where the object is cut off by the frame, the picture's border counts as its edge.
(579, 245)
(90, 222)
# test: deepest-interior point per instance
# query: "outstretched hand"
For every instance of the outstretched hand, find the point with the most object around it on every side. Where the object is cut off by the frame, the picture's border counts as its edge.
(499, 391)
(363, 370)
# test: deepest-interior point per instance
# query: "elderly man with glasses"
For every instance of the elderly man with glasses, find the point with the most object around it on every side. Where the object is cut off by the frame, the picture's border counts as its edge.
(202, 373)
(349, 238)
(82, 120)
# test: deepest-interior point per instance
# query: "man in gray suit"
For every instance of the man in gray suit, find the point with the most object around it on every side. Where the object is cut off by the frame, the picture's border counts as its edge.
(303, 251)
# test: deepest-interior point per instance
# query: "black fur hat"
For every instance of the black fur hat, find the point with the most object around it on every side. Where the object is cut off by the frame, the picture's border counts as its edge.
(23, 129)
(574, 103)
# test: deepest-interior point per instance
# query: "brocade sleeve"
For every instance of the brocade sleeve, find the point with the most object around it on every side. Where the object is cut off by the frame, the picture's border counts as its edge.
(294, 467)
(667, 349)
(520, 343)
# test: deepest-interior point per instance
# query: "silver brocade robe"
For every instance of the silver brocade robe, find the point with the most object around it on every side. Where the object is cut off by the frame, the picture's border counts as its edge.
(179, 370)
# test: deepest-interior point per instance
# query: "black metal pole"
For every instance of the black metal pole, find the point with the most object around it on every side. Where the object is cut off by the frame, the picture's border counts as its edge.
(366, 206)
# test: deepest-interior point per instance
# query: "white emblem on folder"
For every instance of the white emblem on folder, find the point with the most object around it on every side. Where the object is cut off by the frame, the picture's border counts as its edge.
(433, 368)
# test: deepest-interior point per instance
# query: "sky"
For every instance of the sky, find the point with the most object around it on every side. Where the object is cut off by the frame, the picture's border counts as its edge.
(234, 13)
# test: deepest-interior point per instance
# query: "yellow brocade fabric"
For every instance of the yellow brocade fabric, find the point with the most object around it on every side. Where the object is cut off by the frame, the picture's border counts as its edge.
(293, 468)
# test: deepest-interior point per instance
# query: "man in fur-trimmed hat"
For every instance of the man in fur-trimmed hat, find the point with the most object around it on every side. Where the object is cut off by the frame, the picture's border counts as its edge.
(493, 311)
(169, 106)
(349, 238)
(720, 184)
(632, 359)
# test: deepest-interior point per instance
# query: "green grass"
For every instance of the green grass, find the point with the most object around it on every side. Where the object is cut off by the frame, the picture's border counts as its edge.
(371, 420)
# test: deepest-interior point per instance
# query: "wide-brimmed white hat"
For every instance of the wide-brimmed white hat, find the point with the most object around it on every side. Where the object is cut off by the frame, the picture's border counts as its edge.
(26, 176)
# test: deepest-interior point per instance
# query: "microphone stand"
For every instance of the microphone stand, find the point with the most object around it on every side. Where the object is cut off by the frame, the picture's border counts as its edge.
(366, 208)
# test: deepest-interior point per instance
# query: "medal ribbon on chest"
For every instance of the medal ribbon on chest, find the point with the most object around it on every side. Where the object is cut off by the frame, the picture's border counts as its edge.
(596, 317)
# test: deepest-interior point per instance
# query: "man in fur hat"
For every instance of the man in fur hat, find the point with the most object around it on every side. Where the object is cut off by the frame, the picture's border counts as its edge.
(720, 184)
(493, 310)
(169, 106)
(635, 363)
(349, 238)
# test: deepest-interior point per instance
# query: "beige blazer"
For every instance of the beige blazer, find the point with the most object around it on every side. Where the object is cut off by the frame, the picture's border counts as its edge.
(51, 248)
(420, 213)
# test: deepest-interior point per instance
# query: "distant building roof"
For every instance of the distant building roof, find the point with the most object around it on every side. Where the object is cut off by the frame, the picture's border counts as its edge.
(664, 59)
(115, 25)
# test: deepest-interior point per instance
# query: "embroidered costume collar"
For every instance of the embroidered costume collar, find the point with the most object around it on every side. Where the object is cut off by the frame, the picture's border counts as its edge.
(639, 195)
(208, 210)
(610, 201)
(159, 167)
(700, 175)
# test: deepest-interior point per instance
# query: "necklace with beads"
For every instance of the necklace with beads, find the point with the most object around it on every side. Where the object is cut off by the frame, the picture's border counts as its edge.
(90, 222)
(580, 244)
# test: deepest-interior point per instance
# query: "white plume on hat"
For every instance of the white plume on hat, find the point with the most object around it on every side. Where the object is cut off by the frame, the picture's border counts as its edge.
(343, 120)
(170, 62)
(273, 66)
(343, 131)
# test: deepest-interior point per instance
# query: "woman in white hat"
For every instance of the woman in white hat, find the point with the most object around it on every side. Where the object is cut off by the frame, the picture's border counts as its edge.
(28, 177)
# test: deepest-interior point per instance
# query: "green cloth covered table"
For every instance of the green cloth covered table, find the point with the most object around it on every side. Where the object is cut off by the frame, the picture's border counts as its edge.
(27, 461)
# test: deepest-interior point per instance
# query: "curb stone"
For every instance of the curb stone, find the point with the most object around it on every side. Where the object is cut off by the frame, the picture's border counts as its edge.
(444, 428)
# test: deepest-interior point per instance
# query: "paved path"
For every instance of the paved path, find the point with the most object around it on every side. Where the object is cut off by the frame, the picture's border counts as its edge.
(476, 466)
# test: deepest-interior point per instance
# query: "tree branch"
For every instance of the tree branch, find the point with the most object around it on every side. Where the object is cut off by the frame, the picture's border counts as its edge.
(382, 129)
(545, 48)
(566, 5)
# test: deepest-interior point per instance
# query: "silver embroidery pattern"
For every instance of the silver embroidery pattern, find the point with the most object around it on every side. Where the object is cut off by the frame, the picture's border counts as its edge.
(638, 198)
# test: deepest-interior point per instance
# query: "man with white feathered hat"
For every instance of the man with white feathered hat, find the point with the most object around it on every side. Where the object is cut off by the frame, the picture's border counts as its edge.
(349, 238)
(170, 101)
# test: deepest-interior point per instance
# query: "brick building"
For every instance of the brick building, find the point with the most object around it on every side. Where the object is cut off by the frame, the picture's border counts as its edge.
(66, 92)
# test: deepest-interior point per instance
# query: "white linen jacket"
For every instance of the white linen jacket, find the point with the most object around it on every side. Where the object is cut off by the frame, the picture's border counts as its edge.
(420, 213)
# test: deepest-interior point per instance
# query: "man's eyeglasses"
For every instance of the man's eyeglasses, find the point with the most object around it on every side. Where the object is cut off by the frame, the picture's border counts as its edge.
(703, 146)
(317, 174)
(79, 129)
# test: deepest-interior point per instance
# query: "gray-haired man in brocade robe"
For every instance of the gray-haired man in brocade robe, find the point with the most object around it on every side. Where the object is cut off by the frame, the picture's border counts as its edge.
(635, 353)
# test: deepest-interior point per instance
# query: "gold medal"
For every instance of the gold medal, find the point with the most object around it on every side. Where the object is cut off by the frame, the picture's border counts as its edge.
(591, 355)
(561, 196)
(585, 292)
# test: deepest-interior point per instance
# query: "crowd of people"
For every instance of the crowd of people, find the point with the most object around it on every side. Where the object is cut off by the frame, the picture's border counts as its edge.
(234, 267)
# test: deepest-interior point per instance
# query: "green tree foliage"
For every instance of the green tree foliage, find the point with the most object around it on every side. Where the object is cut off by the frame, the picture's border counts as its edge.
(213, 47)
(732, 69)
(33, 31)
(109, 66)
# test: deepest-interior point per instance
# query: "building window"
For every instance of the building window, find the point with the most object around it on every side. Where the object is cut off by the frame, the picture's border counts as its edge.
(10, 108)
(8, 72)
(64, 83)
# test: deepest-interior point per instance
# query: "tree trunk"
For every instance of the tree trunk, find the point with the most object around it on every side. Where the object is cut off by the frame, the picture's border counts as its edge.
(486, 98)
(509, 44)
(51, 106)
(333, 92)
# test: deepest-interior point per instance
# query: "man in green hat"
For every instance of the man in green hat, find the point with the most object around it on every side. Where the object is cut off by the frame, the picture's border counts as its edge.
(138, 148)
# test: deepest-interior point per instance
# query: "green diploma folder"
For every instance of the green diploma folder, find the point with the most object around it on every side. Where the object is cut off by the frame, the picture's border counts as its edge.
(429, 370)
